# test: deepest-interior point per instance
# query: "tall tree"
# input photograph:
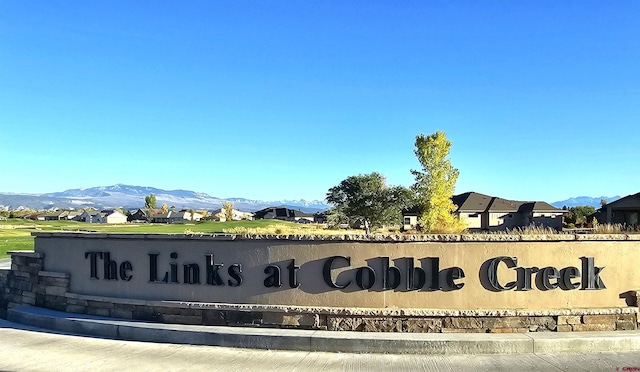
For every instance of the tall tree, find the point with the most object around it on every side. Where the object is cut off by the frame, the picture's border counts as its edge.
(435, 184)
(368, 199)
(150, 201)
(227, 208)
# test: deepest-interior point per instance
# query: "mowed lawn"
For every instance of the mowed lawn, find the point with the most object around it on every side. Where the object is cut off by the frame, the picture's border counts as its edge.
(15, 234)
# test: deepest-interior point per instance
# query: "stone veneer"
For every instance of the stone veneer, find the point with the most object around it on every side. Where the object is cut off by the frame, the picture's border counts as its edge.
(27, 284)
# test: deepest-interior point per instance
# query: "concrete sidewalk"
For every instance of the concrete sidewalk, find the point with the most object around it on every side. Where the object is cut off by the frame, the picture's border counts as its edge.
(328, 341)
(26, 348)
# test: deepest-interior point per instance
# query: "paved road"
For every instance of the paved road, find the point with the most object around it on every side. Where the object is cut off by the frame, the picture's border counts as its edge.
(24, 348)
(5, 263)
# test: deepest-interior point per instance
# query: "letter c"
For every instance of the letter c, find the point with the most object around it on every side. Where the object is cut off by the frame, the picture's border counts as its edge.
(326, 272)
(492, 272)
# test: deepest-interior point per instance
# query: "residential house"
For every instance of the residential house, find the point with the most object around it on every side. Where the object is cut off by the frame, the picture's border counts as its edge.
(191, 215)
(141, 215)
(236, 215)
(320, 217)
(114, 217)
(170, 217)
(59, 215)
(54, 216)
(70, 215)
(92, 217)
(623, 211)
(484, 212)
(282, 213)
(106, 216)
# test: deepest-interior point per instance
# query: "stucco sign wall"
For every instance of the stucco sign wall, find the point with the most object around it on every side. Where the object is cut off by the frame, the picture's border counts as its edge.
(454, 274)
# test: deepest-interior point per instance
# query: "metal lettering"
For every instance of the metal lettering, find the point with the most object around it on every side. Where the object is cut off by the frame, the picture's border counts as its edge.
(452, 275)
(370, 277)
(390, 275)
(567, 274)
(326, 271)
(591, 274)
(235, 272)
(191, 273)
(544, 276)
(110, 267)
(524, 277)
(125, 267)
(274, 279)
(93, 263)
(213, 277)
(492, 272)
(293, 274)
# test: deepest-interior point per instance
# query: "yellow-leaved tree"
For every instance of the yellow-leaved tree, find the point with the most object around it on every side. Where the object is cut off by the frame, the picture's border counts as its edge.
(227, 208)
(435, 185)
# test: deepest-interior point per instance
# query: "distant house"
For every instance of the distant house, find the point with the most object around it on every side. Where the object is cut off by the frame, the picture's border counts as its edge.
(282, 213)
(236, 215)
(115, 217)
(320, 217)
(484, 212)
(59, 215)
(91, 217)
(170, 217)
(191, 216)
(141, 215)
(623, 211)
(70, 215)
(55, 216)
(163, 218)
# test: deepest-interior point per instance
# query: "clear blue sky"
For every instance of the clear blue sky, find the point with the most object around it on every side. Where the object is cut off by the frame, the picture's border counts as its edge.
(284, 99)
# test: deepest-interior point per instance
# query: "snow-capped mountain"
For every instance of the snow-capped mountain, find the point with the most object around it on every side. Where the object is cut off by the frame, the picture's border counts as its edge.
(131, 197)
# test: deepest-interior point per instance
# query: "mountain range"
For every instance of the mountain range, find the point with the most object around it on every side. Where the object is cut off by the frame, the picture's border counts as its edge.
(132, 197)
(584, 200)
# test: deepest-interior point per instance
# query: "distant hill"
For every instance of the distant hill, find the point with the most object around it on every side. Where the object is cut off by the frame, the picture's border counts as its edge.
(132, 197)
(584, 200)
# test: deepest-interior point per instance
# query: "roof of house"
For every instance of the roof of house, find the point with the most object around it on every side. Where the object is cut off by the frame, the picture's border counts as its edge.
(161, 215)
(471, 202)
(540, 206)
(55, 214)
(115, 213)
(92, 213)
(504, 205)
(475, 202)
(630, 201)
(280, 212)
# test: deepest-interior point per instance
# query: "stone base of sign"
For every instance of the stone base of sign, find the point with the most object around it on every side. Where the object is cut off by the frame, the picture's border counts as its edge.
(27, 284)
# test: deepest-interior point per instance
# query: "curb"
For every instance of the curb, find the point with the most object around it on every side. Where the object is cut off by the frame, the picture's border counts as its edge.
(327, 341)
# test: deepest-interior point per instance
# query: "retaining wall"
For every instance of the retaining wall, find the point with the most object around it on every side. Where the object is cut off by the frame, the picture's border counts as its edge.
(58, 275)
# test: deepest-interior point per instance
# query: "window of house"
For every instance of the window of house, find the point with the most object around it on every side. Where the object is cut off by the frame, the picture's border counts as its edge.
(407, 221)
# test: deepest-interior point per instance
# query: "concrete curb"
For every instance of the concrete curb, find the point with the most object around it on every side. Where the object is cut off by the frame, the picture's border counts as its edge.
(327, 341)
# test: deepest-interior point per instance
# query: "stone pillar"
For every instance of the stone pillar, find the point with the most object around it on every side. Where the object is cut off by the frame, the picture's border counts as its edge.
(4, 279)
(21, 283)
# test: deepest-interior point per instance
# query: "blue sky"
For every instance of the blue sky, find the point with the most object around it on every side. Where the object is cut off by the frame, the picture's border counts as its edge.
(284, 99)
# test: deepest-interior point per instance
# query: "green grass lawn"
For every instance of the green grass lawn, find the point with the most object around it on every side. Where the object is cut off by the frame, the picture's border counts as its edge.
(15, 234)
